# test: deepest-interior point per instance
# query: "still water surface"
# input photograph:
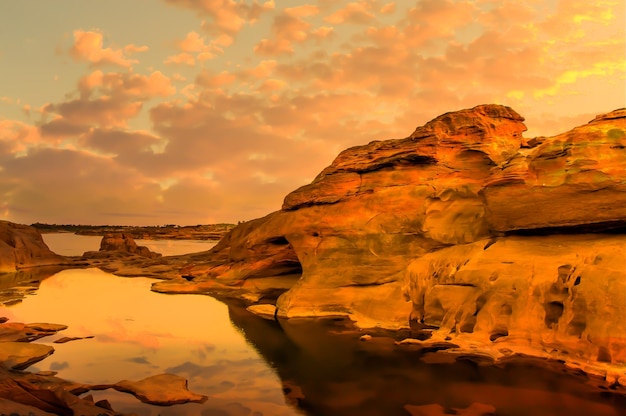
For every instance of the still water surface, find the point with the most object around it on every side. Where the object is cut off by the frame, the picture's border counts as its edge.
(68, 244)
(243, 363)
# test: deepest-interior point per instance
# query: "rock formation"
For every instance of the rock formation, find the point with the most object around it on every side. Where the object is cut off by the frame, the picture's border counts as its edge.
(21, 246)
(124, 243)
(464, 228)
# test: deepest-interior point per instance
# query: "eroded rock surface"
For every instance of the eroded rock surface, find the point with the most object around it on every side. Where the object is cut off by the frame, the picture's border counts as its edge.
(21, 246)
(124, 243)
(465, 225)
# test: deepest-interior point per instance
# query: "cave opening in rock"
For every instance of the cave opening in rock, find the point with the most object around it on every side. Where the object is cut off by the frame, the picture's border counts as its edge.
(280, 271)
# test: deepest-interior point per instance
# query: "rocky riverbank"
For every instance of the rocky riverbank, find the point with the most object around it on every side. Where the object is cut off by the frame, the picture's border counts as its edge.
(42, 393)
(491, 243)
(486, 245)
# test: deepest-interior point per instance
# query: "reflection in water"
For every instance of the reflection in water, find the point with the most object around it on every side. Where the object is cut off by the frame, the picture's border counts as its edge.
(244, 363)
(177, 247)
(68, 244)
(16, 285)
(339, 375)
(139, 333)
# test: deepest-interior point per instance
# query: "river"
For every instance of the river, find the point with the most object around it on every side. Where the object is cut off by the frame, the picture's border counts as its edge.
(245, 363)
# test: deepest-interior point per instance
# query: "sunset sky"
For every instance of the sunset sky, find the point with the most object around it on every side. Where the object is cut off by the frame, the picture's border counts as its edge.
(148, 112)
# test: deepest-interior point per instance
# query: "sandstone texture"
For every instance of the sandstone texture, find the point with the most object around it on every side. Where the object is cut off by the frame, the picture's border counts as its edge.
(124, 243)
(21, 246)
(465, 229)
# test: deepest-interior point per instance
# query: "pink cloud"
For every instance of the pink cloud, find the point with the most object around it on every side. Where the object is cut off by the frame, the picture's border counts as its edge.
(88, 46)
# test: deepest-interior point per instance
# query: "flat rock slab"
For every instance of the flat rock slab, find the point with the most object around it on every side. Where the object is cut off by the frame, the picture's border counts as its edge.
(161, 390)
(68, 339)
(45, 327)
(15, 331)
(264, 311)
(20, 355)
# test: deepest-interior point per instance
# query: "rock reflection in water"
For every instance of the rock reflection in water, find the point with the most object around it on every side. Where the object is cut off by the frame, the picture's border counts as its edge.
(16, 285)
(327, 371)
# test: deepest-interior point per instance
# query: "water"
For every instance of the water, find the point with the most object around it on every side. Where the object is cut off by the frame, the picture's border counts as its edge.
(68, 244)
(245, 363)
(139, 333)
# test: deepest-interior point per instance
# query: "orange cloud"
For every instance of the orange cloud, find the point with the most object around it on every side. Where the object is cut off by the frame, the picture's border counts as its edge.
(106, 100)
(88, 46)
(225, 16)
(265, 127)
(183, 58)
(359, 12)
(194, 47)
(289, 27)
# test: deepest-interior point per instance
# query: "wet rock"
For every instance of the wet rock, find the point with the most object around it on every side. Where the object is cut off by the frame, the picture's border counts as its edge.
(20, 355)
(19, 332)
(162, 390)
(264, 311)
(45, 327)
(63, 340)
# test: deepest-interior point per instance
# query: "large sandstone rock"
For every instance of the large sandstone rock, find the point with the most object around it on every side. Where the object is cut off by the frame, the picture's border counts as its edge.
(374, 234)
(125, 243)
(21, 246)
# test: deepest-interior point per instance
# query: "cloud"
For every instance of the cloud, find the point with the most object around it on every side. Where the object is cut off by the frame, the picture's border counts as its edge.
(88, 46)
(226, 17)
(121, 143)
(359, 12)
(106, 100)
(279, 100)
(289, 27)
(194, 48)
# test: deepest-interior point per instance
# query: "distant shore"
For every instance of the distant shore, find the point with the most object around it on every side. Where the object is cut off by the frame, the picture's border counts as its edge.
(164, 232)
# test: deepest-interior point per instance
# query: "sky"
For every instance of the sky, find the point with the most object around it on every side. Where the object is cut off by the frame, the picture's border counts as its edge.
(152, 112)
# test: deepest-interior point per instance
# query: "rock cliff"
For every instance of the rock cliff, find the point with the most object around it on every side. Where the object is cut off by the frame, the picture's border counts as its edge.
(465, 228)
(21, 246)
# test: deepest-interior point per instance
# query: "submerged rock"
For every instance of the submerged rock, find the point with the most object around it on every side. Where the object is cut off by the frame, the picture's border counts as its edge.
(162, 390)
(465, 226)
